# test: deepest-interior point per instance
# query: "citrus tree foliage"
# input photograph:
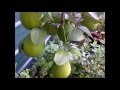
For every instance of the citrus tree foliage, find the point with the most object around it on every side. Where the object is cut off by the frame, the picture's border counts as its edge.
(71, 32)
(91, 64)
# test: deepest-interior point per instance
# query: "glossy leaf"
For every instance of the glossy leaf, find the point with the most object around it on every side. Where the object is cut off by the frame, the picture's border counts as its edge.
(75, 35)
(50, 15)
(61, 57)
(61, 33)
(86, 30)
(46, 18)
(38, 36)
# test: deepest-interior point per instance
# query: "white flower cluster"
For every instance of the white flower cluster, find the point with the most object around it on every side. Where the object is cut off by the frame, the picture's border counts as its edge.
(52, 47)
(25, 74)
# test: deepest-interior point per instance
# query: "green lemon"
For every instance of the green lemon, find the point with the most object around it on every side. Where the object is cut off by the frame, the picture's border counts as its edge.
(31, 19)
(61, 71)
(31, 49)
(90, 22)
(50, 28)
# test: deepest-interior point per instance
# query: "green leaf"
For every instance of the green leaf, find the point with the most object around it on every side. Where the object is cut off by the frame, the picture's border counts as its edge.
(38, 35)
(46, 18)
(75, 35)
(50, 15)
(93, 17)
(61, 57)
(61, 33)
(68, 28)
(86, 30)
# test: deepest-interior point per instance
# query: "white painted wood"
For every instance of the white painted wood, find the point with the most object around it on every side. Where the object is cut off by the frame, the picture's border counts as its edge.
(26, 63)
(17, 24)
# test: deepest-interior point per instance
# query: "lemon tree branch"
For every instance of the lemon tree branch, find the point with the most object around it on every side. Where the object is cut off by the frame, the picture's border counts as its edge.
(62, 18)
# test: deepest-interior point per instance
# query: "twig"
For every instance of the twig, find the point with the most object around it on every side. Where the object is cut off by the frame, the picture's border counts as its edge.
(62, 18)
(62, 23)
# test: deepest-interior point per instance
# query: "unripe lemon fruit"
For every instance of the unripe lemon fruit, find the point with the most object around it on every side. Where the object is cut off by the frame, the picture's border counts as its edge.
(61, 71)
(31, 49)
(31, 19)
